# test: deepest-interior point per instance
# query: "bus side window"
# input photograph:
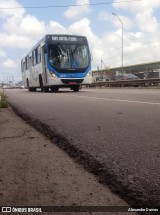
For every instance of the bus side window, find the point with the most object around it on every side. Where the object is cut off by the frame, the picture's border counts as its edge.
(38, 54)
(33, 57)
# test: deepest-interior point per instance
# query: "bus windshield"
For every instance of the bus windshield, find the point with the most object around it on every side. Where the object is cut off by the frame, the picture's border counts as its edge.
(68, 56)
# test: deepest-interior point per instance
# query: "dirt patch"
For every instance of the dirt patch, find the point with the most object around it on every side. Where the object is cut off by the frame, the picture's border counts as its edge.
(36, 172)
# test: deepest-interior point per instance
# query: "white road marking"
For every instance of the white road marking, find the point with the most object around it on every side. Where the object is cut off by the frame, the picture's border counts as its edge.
(118, 100)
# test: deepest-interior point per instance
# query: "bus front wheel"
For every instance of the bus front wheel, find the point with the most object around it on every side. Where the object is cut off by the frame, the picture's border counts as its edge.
(54, 89)
(43, 88)
(75, 88)
(41, 83)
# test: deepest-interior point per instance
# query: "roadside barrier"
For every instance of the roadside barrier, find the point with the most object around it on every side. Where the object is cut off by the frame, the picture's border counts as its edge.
(126, 83)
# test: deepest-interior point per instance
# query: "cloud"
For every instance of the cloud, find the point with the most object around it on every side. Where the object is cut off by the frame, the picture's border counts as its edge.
(2, 53)
(15, 41)
(27, 26)
(147, 17)
(55, 27)
(74, 12)
(108, 17)
(137, 6)
(9, 64)
(19, 30)
(76, 28)
(17, 12)
(143, 14)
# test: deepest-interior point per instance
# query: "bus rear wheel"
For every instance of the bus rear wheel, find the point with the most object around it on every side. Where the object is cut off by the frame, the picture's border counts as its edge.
(46, 89)
(32, 89)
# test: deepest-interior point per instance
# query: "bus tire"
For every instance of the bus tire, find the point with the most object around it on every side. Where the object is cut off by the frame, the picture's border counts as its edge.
(43, 88)
(27, 83)
(29, 88)
(41, 83)
(32, 89)
(76, 88)
(54, 89)
(46, 89)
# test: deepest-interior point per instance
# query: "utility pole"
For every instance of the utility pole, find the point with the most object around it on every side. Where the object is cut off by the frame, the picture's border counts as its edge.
(101, 70)
(122, 37)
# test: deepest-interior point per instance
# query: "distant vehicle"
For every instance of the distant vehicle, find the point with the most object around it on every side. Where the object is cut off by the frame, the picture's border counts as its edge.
(7, 87)
(57, 61)
(126, 77)
(22, 87)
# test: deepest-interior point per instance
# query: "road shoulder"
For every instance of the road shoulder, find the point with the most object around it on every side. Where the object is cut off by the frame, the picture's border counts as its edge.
(34, 171)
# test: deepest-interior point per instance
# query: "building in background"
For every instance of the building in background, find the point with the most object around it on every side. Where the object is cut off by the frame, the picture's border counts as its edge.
(143, 71)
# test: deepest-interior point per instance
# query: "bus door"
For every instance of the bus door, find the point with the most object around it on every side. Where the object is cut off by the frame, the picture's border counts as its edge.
(44, 67)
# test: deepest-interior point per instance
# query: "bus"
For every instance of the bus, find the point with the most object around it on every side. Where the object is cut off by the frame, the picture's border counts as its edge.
(57, 61)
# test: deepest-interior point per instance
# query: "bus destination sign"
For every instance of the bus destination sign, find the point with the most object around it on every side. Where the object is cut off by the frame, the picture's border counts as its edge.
(72, 39)
(66, 39)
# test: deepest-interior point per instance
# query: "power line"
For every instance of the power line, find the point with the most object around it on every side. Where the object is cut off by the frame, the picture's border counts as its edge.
(63, 6)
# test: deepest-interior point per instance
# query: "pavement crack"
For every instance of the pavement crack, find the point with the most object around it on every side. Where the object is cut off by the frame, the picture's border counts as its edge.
(14, 137)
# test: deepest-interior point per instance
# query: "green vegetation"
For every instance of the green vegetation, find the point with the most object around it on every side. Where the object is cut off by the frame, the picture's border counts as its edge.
(3, 101)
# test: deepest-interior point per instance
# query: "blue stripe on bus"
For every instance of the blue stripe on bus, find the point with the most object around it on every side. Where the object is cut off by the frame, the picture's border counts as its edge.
(69, 75)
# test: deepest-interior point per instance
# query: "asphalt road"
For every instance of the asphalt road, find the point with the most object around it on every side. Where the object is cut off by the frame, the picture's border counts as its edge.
(115, 133)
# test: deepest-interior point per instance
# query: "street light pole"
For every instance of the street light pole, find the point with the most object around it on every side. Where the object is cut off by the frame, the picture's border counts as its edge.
(101, 70)
(122, 37)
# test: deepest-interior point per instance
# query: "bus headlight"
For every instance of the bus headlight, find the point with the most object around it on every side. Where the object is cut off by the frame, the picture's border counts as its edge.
(53, 75)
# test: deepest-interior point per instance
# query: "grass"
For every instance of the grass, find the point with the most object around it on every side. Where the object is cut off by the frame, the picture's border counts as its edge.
(3, 101)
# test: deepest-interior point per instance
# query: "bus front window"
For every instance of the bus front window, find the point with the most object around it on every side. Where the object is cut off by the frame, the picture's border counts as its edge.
(69, 56)
(54, 56)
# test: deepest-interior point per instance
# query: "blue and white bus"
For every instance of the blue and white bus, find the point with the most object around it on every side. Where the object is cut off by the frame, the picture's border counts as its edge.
(57, 61)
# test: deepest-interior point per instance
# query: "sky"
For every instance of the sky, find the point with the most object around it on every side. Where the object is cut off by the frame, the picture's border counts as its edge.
(24, 22)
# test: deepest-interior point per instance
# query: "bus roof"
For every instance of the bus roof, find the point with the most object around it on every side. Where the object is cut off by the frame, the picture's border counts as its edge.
(58, 38)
